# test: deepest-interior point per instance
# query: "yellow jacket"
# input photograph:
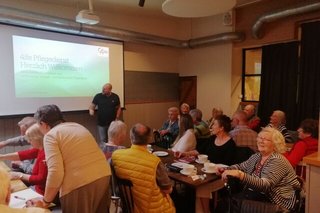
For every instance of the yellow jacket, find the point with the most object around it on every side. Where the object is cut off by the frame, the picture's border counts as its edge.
(139, 166)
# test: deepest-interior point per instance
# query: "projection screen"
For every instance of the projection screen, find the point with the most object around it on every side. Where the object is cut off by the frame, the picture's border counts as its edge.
(40, 67)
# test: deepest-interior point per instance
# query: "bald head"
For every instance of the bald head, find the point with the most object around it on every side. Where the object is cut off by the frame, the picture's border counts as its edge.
(278, 117)
(239, 118)
(250, 110)
(106, 89)
(140, 134)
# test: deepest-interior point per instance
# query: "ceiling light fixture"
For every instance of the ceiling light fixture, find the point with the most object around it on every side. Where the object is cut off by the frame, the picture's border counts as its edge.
(87, 16)
(196, 8)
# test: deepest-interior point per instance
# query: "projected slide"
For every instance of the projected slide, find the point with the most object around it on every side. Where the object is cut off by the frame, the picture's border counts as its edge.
(48, 68)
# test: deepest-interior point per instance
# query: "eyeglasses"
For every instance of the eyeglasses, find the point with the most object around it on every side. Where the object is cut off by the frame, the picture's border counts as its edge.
(264, 139)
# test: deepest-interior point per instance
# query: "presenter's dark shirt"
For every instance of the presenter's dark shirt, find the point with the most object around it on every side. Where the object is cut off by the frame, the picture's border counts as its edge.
(107, 108)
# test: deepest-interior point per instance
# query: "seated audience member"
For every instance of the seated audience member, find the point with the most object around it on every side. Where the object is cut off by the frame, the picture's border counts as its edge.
(278, 121)
(308, 143)
(117, 134)
(201, 128)
(186, 140)
(222, 149)
(5, 192)
(26, 165)
(215, 113)
(77, 168)
(184, 108)
(253, 120)
(38, 176)
(170, 128)
(267, 175)
(241, 133)
(151, 184)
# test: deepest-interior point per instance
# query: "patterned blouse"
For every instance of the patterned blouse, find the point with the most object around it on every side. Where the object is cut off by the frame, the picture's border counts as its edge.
(277, 178)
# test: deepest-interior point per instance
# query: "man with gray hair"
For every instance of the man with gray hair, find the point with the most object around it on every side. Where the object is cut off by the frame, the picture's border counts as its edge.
(253, 119)
(278, 121)
(169, 130)
(151, 184)
(25, 166)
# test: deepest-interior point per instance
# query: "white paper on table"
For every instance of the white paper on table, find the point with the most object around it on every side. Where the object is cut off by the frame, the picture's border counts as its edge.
(26, 194)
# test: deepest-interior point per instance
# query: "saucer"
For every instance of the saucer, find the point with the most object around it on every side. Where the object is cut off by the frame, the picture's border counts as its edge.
(208, 172)
(160, 153)
(222, 165)
(199, 162)
(178, 164)
(187, 174)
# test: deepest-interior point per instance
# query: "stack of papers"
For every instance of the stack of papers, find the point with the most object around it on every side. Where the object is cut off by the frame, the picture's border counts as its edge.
(19, 199)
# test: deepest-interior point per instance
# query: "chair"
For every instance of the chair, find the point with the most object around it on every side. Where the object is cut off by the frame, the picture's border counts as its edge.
(250, 206)
(122, 188)
(164, 141)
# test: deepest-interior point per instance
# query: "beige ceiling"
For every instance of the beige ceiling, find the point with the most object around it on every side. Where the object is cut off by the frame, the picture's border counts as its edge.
(151, 7)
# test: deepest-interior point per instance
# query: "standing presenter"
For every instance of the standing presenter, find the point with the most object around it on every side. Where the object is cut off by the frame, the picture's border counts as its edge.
(108, 110)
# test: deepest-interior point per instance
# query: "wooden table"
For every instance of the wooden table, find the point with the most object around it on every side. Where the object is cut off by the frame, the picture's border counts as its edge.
(176, 176)
(312, 186)
(180, 178)
(16, 185)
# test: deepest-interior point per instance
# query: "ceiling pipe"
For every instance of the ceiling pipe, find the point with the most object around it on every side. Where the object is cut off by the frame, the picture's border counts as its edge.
(28, 19)
(283, 13)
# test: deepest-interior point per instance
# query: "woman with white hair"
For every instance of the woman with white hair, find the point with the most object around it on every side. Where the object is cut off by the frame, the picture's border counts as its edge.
(117, 134)
(267, 175)
(39, 173)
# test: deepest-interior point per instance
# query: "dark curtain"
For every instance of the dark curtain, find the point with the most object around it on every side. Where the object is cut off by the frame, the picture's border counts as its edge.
(279, 71)
(309, 81)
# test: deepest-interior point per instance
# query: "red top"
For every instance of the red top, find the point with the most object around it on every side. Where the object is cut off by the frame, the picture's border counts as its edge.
(300, 149)
(254, 123)
(40, 169)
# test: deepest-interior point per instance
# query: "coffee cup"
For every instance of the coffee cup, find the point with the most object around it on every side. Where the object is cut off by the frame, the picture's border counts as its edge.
(210, 167)
(149, 147)
(202, 158)
(188, 168)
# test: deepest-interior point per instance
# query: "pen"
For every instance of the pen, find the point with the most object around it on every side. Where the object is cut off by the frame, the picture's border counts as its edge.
(21, 198)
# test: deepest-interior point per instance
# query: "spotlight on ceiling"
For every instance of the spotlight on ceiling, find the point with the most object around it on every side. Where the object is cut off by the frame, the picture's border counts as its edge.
(141, 3)
(196, 8)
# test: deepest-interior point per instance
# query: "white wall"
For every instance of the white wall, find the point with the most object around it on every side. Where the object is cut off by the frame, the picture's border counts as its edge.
(212, 65)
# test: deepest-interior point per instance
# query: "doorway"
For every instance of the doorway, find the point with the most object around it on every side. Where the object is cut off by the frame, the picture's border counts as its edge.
(188, 91)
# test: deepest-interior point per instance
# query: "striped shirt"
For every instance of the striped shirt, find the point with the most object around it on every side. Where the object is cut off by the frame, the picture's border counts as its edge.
(277, 178)
(283, 129)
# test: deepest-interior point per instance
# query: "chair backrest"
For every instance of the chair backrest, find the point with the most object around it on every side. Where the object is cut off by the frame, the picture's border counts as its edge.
(300, 195)
(124, 191)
